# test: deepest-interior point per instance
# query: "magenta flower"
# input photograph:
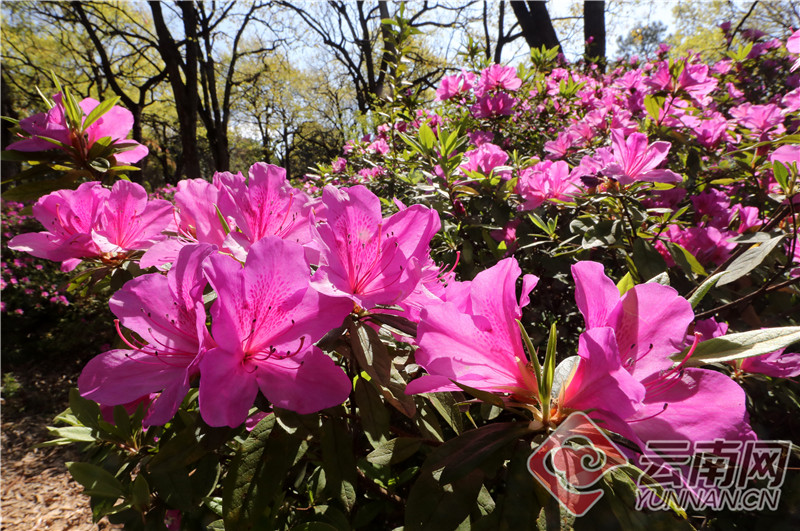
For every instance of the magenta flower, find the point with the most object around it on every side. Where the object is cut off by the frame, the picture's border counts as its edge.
(486, 158)
(93, 222)
(167, 313)
(128, 221)
(366, 258)
(492, 106)
(793, 46)
(498, 77)
(765, 121)
(778, 364)
(476, 341)
(545, 181)
(115, 123)
(266, 320)
(267, 205)
(649, 324)
(454, 85)
(635, 160)
(68, 216)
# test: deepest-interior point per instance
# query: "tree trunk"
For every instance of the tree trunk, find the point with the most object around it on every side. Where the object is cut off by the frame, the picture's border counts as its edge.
(594, 31)
(8, 168)
(185, 93)
(537, 28)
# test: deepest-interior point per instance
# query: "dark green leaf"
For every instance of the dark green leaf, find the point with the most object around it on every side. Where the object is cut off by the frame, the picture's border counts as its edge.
(469, 450)
(394, 451)
(96, 481)
(339, 462)
(372, 412)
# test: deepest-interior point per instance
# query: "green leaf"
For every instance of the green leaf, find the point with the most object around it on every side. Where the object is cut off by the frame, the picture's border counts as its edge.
(653, 105)
(174, 486)
(96, 481)
(339, 462)
(256, 474)
(685, 259)
(394, 451)
(372, 412)
(648, 260)
(373, 357)
(73, 434)
(748, 260)
(426, 137)
(432, 506)
(72, 109)
(549, 370)
(781, 175)
(470, 449)
(661, 278)
(446, 405)
(140, 493)
(222, 221)
(484, 396)
(86, 411)
(703, 289)
(625, 283)
(741, 345)
(397, 322)
(100, 164)
(99, 111)
(520, 506)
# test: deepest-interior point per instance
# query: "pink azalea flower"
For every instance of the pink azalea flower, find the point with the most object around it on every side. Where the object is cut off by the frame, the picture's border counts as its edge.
(793, 46)
(265, 322)
(339, 164)
(485, 158)
(558, 148)
(167, 313)
(128, 221)
(454, 85)
(479, 138)
(492, 106)
(498, 77)
(68, 216)
(763, 120)
(709, 244)
(476, 342)
(695, 80)
(267, 205)
(648, 324)
(635, 160)
(778, 364)
(116, 123)
(94, 222)
(545, 181)
(366, 258)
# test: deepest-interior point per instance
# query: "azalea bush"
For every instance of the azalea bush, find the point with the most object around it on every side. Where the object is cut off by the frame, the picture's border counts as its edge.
(388, 342)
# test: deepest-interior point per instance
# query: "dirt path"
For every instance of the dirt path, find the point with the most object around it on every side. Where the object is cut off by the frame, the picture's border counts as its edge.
(36, 491)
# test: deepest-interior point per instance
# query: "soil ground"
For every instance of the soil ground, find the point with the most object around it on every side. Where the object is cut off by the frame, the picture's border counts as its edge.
(37, 491)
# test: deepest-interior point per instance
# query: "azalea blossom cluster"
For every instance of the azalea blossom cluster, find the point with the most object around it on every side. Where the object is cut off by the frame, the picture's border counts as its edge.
(282, 270)
(577, 135)
(252, 243)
